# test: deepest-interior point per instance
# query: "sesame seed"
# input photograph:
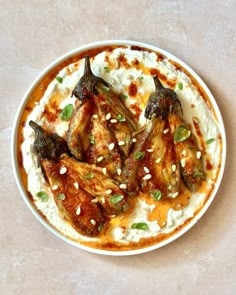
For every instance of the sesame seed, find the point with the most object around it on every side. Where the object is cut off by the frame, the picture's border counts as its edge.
(104, 171)
(123, 186)
(173, 167)
(150, 150)
(166, 131)
(198, 155)
(93, 222)
(111, 146)
(108, 116)
(113, 121)
(99, 159)
(158, 160)
(178, 206)
(78, 210)
(121, 143)
(103, 200)
(134, 139)
(76, 185)
(108, 192)
(174, 195)
(184, 153)
(183, 162)
(63, 170)
(130, 77)
(55, 187)
(95, 116)
(113, 81)
(146, 170)
(147, 176)
(95, 200)
(119, 171)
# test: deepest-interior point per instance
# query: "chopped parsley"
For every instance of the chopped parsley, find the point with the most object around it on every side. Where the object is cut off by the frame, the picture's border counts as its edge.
(156, 195)
(66, 112)
(59, 79)
(116, 198)
(181, 134)
(139, 155)
(121, 118)
(42, 196)
(140, 225)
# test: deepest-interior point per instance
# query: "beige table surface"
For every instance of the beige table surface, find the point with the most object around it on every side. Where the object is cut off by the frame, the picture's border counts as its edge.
(34, 33)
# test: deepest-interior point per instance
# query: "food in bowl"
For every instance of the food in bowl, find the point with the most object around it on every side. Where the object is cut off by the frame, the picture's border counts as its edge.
(119, 148)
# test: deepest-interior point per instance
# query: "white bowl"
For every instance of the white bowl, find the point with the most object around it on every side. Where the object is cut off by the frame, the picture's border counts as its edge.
(15, 160)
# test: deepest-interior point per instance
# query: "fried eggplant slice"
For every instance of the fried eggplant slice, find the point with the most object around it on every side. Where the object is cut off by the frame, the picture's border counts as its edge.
(104, 150)
(120, 120)
(132, 164)
(160, 162)
(74, 204)
(77, 135)
(92, 180)
(187, 153)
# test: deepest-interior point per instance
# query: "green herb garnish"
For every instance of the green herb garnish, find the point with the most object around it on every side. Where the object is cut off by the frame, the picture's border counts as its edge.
(89, 175)
(42, 196)
(121, 118)
(61, 197)
(156, 195)
(122, 96)
(139, 155)
(66, 112)
(140, 225)
(197, 173)
(180, 85)
(210, 140)
(105, 89)
(91, 139)
(140, 78)
(181, 134)
(107, 69)
(116, 198)
(100, 226)
(59, 79)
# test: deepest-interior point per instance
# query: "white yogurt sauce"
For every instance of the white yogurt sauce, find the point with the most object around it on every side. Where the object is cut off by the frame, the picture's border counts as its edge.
(120, 79)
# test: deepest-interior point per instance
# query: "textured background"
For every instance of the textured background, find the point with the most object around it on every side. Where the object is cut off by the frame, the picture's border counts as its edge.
(34, 33)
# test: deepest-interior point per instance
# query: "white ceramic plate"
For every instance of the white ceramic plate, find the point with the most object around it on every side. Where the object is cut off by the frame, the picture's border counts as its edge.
(15, 160)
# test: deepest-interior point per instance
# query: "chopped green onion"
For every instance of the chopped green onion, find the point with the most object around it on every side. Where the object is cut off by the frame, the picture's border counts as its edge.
(61, 197)
(156, 195)
(100, 226)
(89, 175)
(180, 85)
(91, 139)
(105, 89)
(140, 78)
(181, 134)
(197, 173)
(59, 79)
(140, 225)
(66, 112)
(116, 198)
(139, 155)
(107, 69)
(121, 118)
(42, 196)
(122, 96)
(210, 140)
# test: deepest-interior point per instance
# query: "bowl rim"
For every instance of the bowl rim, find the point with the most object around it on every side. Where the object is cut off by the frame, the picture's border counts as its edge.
(14, 158)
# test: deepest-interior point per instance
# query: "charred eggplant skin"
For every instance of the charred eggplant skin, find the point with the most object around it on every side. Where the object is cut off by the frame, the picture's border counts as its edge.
(47, 146)
(85, 88)
(162, 102)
